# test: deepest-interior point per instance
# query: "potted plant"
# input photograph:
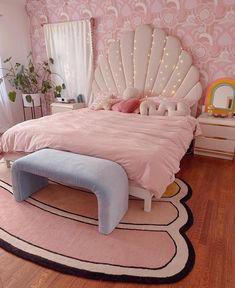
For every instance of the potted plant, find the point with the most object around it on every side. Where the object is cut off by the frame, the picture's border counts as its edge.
(31, 80)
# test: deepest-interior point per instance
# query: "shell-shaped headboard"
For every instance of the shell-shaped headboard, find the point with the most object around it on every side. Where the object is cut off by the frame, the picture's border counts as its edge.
(150, 60)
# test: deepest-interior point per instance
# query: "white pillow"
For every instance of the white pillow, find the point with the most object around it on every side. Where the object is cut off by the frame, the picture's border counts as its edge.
(130, 93)
(163, 108)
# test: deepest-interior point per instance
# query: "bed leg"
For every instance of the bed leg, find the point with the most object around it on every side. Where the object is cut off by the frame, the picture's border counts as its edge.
(141, 193)
(148, 204)
(8, 163)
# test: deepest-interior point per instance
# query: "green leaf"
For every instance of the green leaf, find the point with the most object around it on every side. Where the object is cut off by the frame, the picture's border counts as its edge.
(31, 69)
(63, 86)
(58, 88)
(56, 94)
(28, 98)
(12, 96)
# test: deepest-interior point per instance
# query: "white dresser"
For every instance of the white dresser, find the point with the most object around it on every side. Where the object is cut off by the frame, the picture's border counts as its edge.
(63, 107)
(218, 137)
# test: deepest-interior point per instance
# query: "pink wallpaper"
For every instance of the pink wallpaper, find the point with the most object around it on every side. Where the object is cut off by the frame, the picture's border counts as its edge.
(206, 28)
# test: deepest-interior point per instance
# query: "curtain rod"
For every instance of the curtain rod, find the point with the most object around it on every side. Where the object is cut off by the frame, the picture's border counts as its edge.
(92, 20)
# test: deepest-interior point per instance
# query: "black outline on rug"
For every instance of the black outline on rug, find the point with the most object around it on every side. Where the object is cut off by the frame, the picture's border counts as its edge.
(117, 278)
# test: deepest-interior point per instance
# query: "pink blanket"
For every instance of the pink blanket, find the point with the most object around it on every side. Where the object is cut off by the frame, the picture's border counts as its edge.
(149, 148)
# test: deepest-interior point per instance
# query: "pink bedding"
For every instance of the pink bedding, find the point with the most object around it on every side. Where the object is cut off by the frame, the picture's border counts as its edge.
(149, 148)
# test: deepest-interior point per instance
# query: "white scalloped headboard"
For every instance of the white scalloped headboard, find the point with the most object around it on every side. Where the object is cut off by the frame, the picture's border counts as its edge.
(150, 60)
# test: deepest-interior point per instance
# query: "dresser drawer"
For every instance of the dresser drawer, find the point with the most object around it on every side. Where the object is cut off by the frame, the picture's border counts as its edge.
(218, 131)
(215, 144)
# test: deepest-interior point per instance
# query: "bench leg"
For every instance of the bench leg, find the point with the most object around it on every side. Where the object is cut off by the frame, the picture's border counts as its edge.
(8, 163)
(111, 209)
(25, 184)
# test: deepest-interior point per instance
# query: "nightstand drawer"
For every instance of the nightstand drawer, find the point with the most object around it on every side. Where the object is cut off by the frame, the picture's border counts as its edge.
(215, 144)
(59, 109)
(218, 131)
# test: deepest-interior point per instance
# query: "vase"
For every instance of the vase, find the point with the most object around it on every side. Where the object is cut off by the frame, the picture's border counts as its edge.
(31, 100)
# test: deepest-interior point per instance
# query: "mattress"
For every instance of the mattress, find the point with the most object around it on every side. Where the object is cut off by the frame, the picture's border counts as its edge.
(149, 148)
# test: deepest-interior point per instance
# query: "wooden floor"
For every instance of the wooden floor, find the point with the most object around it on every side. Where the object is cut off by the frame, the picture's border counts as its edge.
(213, 236)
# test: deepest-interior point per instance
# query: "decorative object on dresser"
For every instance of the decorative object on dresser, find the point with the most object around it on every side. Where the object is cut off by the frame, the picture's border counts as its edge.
(218, 137)
(58, 107)
(220, 98)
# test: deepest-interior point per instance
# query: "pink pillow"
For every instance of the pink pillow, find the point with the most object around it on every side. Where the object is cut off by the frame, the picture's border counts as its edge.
(126, 106)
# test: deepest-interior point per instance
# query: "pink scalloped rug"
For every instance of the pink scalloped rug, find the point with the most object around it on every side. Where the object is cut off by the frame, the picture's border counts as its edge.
(57, 228)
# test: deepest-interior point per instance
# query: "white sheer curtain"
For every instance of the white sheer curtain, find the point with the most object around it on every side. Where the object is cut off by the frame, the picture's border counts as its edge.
(6, 119)
(70, 45)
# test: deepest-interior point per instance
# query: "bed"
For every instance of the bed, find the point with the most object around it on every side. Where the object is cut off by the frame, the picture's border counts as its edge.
(148, 147)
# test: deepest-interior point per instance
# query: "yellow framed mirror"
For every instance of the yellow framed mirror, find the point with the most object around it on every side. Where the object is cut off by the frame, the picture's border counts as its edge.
(220, 98)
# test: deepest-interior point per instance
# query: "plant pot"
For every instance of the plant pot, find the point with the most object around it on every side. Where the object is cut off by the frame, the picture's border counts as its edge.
(30, 100)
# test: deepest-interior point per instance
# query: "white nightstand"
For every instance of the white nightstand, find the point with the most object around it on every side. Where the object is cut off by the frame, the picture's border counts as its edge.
(63, 107)
(218, 137)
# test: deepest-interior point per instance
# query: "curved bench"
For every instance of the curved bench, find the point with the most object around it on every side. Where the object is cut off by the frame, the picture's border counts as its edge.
(106, 179)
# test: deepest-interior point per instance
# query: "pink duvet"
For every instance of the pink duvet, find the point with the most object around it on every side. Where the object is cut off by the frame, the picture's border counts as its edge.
(149, 148)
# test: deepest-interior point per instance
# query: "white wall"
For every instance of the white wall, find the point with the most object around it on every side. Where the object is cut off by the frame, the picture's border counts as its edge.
(14, 40)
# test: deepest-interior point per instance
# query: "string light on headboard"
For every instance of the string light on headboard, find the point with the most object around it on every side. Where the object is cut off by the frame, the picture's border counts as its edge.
(165, 70)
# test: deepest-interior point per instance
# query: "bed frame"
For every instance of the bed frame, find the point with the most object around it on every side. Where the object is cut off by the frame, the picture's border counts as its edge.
(154, 63)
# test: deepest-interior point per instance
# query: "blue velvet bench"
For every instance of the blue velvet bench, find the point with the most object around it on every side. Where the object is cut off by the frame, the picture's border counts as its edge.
(106, 179)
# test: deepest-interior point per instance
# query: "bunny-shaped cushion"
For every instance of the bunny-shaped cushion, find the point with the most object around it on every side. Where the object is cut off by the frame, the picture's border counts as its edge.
(150, 107)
